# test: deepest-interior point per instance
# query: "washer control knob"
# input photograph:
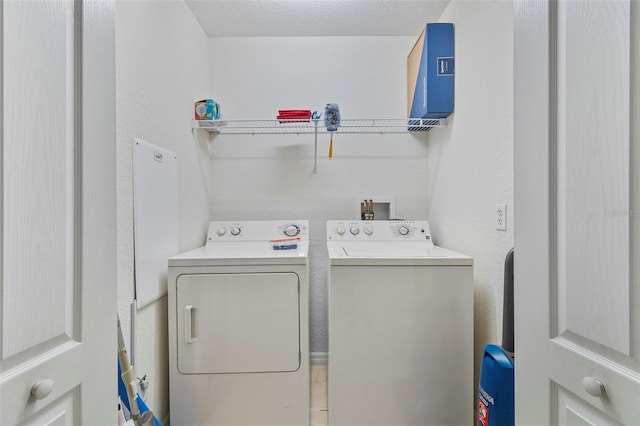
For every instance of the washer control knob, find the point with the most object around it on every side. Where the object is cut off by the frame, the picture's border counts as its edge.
(340, 230)
(235, 230)
(221, 231)
(403, 230)
(354, 230)
(368, 229)
(291, 231)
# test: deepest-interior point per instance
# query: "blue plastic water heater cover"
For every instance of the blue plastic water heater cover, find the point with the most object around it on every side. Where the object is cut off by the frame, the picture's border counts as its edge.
(495, 394)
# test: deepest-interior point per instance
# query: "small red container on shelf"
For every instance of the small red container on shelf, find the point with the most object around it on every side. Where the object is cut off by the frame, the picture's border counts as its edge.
(293, 115)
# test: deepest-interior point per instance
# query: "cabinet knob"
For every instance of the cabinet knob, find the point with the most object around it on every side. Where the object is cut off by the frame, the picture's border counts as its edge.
(594, 387)
(42, 389)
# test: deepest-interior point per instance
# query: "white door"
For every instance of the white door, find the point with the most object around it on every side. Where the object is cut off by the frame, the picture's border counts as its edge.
(57, 159)
(577, 212)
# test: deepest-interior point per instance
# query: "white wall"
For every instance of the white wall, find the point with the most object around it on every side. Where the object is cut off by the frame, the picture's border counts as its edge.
(471, 163)
(161, 69)
(271, 177)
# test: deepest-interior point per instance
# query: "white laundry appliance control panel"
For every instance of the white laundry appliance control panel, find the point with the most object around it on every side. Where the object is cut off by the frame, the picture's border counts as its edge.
(378, 230)
(270, 231)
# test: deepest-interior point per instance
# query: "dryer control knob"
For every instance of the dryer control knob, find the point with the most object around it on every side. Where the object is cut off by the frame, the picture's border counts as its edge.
(354, 230)
(340, 230)
(235, 231)
(403, 230)
(368, 230)
(221, 231)
(291, 231)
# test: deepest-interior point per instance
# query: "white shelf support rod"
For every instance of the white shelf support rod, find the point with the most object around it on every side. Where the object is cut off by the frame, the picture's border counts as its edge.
(315, 148)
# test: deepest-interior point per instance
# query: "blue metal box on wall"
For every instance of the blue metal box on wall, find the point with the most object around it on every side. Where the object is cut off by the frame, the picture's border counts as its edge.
(430, 73)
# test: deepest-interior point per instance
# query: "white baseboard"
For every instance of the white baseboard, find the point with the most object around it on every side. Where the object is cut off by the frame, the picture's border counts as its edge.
(319, 358)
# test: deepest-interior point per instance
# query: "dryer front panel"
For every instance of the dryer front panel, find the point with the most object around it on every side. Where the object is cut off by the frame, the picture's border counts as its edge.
(238, 323)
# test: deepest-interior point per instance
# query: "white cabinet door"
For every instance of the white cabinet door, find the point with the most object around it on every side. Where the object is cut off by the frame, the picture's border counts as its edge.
(238, 323)
(577, 212)
(57, 162)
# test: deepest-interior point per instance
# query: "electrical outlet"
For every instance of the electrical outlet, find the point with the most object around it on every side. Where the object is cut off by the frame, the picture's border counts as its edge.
(501, 217)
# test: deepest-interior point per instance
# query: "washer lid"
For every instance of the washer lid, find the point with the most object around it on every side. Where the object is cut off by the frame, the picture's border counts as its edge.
(391, 250)
(401, 253)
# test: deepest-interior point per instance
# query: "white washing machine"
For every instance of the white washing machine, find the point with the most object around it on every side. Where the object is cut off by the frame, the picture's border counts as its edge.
(238, 326)
(400, 327)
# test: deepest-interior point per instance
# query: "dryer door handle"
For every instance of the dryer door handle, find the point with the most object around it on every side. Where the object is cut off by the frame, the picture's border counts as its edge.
(190, 324)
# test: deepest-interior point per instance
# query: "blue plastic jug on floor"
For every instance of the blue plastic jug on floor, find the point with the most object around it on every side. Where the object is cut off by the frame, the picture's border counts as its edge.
(495, 394)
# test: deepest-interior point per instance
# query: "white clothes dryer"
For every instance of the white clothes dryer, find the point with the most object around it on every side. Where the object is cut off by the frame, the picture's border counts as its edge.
(238, 326)
(400, 327)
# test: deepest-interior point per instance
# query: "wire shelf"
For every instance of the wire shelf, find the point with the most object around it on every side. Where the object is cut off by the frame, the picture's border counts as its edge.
(301, 127)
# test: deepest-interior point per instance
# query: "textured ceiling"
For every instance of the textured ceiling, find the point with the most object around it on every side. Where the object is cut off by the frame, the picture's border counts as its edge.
(257, 18)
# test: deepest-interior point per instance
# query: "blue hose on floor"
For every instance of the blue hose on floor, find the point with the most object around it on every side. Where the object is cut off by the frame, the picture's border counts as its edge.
(127, 391)
(122, 393)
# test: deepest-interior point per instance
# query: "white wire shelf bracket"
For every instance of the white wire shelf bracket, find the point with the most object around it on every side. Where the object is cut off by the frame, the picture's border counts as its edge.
(301, 127)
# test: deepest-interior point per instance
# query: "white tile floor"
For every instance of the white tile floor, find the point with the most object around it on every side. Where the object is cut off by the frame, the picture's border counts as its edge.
(319, 404)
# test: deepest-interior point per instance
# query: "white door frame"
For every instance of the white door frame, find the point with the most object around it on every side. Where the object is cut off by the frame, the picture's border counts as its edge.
(99, 229)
